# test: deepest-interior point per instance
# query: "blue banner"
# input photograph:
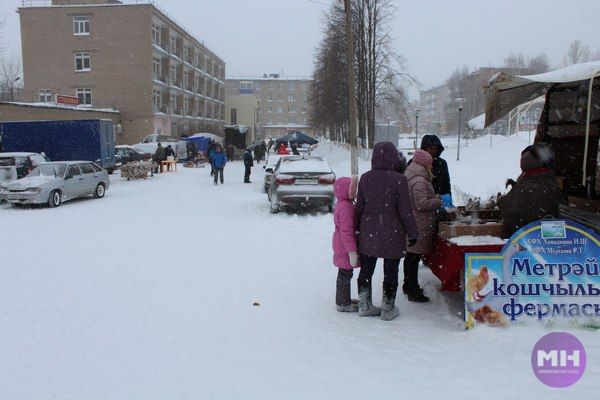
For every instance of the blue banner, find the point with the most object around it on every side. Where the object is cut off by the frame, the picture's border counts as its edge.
(547, 272)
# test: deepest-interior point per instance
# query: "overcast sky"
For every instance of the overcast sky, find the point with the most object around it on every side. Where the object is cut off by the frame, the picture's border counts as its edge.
(436, 36)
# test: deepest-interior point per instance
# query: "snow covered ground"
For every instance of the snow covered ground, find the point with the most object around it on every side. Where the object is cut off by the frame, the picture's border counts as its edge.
(149, 293)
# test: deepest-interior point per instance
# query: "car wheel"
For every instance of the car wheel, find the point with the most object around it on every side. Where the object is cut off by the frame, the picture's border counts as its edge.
(99, 192)
(55, 199)
(274, 209)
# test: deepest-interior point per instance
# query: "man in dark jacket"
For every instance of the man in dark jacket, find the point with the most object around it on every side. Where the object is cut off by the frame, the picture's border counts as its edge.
(248, 164)
(441, 177)
(294, 148)
(271, 144)
(159, 157)
(385, 219)
(535, 194)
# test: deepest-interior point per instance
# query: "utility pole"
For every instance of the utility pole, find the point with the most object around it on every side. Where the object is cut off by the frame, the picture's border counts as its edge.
(351, 91)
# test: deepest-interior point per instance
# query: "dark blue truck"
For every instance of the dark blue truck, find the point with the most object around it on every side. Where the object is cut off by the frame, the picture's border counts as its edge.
(82, 140)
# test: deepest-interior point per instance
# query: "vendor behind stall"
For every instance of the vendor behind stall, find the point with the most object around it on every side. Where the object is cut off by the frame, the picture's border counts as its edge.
(535, 194)
(441, 177)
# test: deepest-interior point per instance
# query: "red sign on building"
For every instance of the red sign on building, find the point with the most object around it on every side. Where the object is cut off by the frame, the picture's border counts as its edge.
(67, 100)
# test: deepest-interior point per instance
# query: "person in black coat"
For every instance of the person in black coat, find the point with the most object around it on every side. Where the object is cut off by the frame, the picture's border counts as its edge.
(441, 176)
(271, 144)
(248, 164)
(294, 148)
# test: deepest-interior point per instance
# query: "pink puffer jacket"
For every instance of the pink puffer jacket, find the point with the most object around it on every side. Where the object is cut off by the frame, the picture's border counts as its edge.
(344, 217)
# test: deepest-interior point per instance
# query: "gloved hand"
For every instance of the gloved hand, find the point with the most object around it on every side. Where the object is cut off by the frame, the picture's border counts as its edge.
(353, 259)
(412, 242)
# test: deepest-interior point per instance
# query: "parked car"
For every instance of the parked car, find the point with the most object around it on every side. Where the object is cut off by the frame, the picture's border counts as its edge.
(125, 154)
(301, 182)
(56, 182)
(149, 144)
(15, 166)
(269, 167)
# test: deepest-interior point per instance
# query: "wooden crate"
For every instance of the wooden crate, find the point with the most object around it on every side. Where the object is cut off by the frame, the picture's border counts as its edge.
(449, 230)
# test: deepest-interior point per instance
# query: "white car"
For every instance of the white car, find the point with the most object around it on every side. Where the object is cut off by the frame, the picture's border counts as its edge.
(150, 143)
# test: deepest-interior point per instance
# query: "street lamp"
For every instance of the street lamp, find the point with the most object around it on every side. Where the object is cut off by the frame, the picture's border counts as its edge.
(12, 88)
(389, 121)
(460, 104)
(417, 112)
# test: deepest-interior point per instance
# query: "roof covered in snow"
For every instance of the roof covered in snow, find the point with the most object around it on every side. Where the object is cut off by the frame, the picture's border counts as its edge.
(60, 107)
(477, 123)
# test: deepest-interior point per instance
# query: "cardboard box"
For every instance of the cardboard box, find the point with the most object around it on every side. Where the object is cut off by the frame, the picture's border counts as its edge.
(449, 230)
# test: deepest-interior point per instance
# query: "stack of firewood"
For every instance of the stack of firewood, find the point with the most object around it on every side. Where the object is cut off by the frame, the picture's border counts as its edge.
(137, 170)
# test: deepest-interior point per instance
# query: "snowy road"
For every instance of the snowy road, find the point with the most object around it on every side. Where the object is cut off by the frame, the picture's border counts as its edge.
(148, 294)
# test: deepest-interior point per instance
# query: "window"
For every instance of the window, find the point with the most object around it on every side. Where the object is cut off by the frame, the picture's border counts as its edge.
(186, 105)
(304, 109)
(81, 26)
(173, 102)
(269, 120)
(233, 116)
(292, 110)
(304, 98)
(96, 168)
(280, 86)
(185, 52)
(279, 99)
(235, 85)
(270, 86)
(270, 109)
(156, 68)
(156, 34)
(173, 44)
(257, 86)
(83, 62)
(45, 96)
(173, 74)
(157, 98)
(270, 98)
(279, 109)
(291, 97)
(246, 85)
(73, 171)
(85, 97)
(291, 120)
(86, 168)
(292, 86)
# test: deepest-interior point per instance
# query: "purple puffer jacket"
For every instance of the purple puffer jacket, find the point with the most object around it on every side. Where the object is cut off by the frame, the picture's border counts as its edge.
(383, 207)
(344, 217)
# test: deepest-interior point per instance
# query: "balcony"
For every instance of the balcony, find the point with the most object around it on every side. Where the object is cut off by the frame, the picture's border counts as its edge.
(162, 109)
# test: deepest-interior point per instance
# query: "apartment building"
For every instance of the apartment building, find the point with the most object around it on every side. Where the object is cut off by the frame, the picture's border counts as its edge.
(128, 56)
(282, 103)
(433, 103)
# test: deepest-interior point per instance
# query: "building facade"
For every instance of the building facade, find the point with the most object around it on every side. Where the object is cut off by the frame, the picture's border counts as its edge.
(127, 56)
(242, 110)
(432, 117)
(282, 103)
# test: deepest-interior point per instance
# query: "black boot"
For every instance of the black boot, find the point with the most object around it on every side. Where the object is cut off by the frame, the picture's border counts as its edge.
(411, 278)
(418, 296)
(342, 293)
(365, 301)
(389, 311)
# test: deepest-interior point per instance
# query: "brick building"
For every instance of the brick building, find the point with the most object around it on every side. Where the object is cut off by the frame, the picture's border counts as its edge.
(130, 56)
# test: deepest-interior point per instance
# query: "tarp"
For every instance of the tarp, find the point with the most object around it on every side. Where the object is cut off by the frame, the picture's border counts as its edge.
(296, 137)
(202, 140)
(504, 91)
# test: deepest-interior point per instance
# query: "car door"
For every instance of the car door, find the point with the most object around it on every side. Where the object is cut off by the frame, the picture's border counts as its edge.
(90, 179)
(74, 182)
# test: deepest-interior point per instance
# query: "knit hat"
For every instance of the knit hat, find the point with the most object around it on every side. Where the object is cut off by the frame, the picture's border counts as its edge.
(422, 158)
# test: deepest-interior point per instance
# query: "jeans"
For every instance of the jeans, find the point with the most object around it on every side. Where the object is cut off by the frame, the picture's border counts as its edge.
(247, 174)
(390, 271)
(218, 171)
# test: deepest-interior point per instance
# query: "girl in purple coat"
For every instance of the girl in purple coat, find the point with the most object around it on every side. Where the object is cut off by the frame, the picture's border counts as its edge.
(345, 254)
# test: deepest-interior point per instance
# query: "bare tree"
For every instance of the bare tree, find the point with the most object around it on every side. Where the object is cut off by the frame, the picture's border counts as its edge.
(515, 61)
(539, 64)
(10, 74)
(577, 53)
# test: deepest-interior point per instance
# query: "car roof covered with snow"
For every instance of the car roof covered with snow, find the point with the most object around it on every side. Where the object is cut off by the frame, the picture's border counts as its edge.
(305, 164)
(17, 154)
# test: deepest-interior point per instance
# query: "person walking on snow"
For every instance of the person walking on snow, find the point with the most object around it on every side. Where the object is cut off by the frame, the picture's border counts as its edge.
(219, 160)
(282, 150)
(159, 157)
(248, 164)
(385, 221)
(345, 256)
(424, 203)
(271, 145)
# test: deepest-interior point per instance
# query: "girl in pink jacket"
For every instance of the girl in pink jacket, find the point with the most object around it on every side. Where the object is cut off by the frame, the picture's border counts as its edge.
(345, 256)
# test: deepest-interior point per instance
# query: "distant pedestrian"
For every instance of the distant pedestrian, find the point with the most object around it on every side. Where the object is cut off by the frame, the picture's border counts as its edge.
(258, 153)
(159, 157)
(211, 152)
(263, 149)
(248, 164)
(270, 145)
(282, 150)
(345, 251)
(219, 160)
(294, 148)
(230, 151)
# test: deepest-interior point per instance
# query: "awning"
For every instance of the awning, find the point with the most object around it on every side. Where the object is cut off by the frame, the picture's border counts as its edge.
(504, 91)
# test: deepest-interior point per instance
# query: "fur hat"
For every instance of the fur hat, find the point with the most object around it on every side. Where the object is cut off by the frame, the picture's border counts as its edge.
(422, 158)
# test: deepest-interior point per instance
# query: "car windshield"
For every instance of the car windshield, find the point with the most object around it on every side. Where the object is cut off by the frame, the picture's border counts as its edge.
(56, 170)
(314, 164)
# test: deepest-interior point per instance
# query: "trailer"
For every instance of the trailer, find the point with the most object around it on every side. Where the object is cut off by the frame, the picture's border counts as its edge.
(82, 140)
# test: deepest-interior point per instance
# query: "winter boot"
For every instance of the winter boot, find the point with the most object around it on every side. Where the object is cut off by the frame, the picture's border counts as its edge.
(388, 309)
(365, 302)
(418, 296)
(342, 292)
(353, 307)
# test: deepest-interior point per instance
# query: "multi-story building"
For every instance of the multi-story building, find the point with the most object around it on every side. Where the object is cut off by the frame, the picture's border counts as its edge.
(282, 102)
(130, 56)
(432, 117)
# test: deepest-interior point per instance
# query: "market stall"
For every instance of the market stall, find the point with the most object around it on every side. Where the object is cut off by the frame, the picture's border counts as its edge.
(466, 231)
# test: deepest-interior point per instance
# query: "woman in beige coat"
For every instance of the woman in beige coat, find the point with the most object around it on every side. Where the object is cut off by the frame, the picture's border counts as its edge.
(424, 204)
